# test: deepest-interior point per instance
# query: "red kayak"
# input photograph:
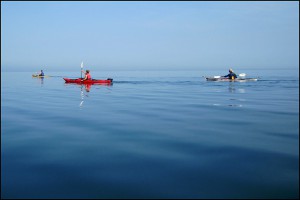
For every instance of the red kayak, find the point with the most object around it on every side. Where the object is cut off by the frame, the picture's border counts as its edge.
(92, 81)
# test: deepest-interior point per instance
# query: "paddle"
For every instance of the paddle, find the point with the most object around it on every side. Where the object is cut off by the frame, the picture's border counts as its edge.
(81, 69)
(242, 76)
(80, 105)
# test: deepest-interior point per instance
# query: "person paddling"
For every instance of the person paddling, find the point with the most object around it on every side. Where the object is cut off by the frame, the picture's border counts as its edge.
(231, 74)
(87, 75)
(42, 73)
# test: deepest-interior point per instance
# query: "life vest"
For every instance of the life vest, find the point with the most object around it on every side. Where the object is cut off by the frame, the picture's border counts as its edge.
(232, 76)
(88, 76)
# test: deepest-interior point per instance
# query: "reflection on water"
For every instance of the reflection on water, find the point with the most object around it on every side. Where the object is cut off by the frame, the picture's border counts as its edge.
(233, 88)
(40, 80)
(87, 87)
(154, 138)
(82, 96)
(85, 90)
(83, 93)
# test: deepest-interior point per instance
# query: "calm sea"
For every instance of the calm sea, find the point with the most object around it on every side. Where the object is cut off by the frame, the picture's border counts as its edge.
(152, 134)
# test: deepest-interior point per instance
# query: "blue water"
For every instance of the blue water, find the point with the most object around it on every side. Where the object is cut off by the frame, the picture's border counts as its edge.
(152, 134)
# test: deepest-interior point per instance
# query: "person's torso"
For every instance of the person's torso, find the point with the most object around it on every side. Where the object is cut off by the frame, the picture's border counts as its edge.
(232, 76)
(88, 76)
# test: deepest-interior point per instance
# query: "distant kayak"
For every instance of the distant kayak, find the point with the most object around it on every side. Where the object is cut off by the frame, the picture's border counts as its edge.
(232, 80)
(38, 76)
(92, 81)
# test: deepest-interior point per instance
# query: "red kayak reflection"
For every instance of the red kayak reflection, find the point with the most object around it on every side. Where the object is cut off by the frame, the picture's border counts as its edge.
(88, 87)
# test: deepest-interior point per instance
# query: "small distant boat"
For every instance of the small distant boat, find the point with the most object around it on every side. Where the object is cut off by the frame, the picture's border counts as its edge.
(92, 81)
(219, 78)
(38, 76)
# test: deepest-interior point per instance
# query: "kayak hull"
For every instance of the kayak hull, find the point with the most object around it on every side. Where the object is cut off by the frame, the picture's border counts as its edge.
(38, 76)
(231, 80)
(92, 81)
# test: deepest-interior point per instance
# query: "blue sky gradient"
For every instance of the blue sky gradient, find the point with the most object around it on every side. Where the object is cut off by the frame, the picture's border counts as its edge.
(149, 35)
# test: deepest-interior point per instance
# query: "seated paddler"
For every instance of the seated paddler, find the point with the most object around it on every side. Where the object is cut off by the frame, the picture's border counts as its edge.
(231, 74)
(87, 75)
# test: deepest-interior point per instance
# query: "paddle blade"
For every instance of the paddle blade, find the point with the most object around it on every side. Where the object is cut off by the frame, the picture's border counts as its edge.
(242, 74)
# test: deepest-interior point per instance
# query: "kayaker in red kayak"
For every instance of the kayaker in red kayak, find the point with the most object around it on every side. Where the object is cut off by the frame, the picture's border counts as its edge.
(87, 75)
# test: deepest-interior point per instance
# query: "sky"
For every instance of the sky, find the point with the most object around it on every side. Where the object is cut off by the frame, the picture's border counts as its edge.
(155, 35)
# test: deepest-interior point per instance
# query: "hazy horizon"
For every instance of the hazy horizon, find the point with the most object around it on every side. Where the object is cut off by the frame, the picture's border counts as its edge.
(58, 36)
